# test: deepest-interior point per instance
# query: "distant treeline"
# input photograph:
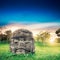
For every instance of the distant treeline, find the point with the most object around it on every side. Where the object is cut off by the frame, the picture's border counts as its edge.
(5, 37)
(42, 36)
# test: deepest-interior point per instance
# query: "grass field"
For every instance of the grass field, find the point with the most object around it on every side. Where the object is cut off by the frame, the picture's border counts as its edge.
(42, 52)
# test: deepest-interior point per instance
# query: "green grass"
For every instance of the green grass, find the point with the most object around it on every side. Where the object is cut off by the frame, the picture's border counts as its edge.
(42, 52)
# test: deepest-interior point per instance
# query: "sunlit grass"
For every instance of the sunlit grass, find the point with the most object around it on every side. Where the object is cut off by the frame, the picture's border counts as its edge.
(42, 52)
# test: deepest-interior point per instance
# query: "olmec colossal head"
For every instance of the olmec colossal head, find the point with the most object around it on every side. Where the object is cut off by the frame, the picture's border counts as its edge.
(22, 42)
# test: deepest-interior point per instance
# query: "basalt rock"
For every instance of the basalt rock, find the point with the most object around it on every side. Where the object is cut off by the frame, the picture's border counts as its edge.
(22, 42)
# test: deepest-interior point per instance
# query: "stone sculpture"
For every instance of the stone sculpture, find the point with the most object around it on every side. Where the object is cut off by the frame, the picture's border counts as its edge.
(22, 42)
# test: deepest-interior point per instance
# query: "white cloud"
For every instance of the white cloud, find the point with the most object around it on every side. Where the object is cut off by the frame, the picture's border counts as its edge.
(43, 25)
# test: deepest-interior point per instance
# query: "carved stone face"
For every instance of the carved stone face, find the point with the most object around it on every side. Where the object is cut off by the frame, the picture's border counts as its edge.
(22, 41)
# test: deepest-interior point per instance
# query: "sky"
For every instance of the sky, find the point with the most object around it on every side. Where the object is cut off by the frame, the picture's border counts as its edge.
(29, 11)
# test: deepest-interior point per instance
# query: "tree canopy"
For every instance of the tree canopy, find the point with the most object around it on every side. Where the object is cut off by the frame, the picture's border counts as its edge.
(58, 32)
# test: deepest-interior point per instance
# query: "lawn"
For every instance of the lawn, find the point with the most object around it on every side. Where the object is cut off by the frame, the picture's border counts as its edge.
(42, 52)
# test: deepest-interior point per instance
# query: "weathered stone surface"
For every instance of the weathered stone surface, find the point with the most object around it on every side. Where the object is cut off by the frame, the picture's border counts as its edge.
(22, 42)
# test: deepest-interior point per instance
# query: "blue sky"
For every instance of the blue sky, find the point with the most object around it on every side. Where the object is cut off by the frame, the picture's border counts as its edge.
(32, 11)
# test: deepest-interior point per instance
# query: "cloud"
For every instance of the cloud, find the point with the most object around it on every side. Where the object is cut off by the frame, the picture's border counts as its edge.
(43, 25)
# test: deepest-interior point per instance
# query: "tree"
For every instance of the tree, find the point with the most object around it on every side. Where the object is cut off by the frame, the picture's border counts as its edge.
(58, 32)
(9, 34)
(3, 38)
(43, 36)
(0, 36)
(57, 40)
(37, 37)
(0, 33)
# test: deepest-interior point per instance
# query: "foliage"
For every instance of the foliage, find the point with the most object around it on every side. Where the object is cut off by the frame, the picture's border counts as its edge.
(9, 34)
(6, 36)
(3, 37)
(57, 40)
(43, 36)
(58, 32)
